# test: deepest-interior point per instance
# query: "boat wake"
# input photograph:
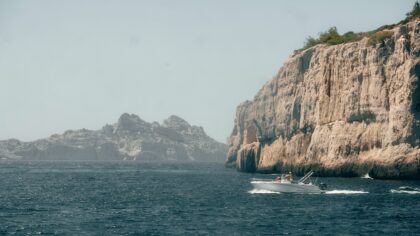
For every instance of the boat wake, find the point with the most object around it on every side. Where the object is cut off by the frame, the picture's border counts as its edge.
(262, 191)
(345, 192)
(260, 180)
(406, 189)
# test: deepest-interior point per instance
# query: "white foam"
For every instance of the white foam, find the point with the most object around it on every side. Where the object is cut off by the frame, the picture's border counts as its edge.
(408, 188)
(366, 176)
(345, 192)
(261, 181)
(261, 191)
(404, 191)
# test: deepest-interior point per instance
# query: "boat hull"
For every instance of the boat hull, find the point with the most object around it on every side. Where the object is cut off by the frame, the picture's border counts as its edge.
(286, 187)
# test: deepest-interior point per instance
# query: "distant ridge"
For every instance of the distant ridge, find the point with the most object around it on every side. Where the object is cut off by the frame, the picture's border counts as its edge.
(131, 138)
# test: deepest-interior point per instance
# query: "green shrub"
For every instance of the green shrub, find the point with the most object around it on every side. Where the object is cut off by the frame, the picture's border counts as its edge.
(350, 36)
(310, 42)
(331, 37)
(366, 116)
(379, 36)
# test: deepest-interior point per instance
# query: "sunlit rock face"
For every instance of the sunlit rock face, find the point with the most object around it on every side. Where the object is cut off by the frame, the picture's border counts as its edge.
(131, 138)
(343, 110)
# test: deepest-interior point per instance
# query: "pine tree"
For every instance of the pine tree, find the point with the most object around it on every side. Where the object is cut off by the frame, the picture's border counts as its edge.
(415, 12)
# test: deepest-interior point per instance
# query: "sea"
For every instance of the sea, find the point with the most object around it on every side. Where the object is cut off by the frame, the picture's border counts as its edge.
(192, 198)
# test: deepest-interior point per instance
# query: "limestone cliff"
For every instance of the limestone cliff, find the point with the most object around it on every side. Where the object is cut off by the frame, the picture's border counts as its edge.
(131, 138)
(342, 110)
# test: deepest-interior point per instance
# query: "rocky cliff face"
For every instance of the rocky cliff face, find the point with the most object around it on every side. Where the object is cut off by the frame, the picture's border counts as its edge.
(342, 110)
(130, 138)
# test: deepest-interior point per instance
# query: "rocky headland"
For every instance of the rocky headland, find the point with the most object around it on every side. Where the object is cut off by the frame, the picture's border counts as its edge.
(131, 138)
(340, 110)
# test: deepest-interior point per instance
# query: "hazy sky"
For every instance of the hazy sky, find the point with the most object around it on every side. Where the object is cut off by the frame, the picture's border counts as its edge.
(81, 64)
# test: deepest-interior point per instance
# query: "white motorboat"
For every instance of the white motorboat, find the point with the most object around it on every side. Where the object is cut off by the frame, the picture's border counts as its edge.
(285, 184)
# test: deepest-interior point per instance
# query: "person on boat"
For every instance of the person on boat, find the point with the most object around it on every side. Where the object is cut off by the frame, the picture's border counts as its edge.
(289, 177)
(278, 179)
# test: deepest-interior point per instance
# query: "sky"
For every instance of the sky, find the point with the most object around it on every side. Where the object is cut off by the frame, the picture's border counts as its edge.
(82, 63)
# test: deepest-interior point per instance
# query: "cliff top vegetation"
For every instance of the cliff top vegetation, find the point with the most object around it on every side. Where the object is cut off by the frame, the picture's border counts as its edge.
(332, 37)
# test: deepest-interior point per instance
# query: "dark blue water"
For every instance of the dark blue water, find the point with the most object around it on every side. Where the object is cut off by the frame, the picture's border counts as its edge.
(126, 198)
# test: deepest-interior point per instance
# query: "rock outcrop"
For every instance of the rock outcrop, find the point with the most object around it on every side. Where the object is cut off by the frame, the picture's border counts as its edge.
(131, 138)
(342, 110)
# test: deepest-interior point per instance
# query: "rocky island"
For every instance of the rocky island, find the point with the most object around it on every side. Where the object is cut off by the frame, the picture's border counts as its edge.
(341, 110)
(131, 138)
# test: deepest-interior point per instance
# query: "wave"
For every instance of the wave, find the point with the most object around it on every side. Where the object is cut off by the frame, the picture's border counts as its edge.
(406, 189)
(346, 192)
(261, 191)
